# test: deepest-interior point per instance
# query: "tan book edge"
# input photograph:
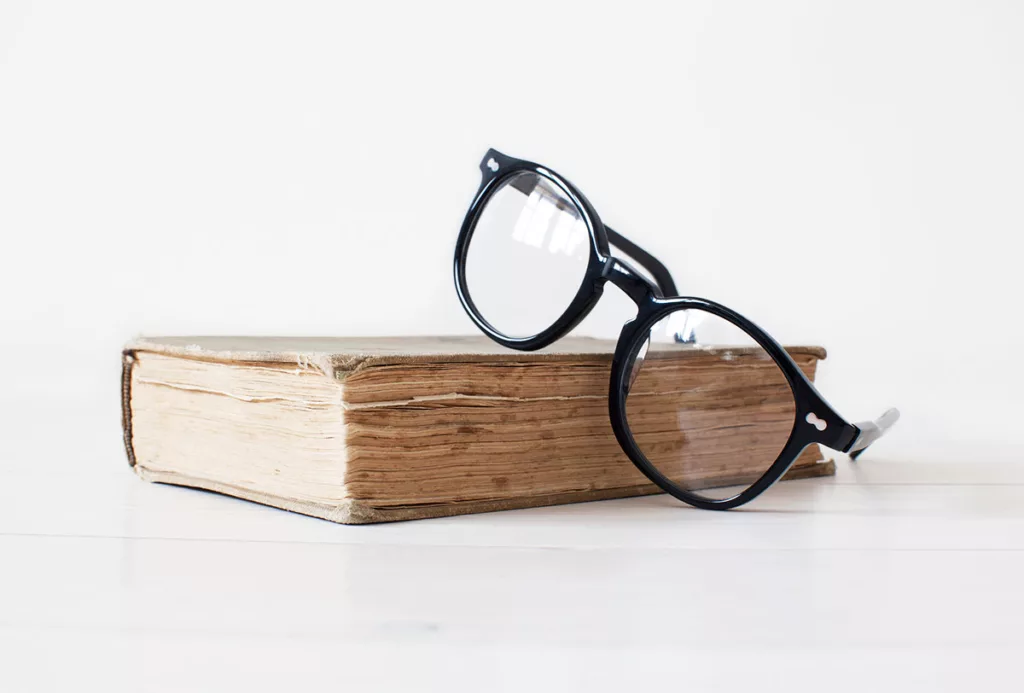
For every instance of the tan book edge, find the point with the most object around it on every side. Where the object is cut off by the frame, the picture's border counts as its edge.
(339, 358)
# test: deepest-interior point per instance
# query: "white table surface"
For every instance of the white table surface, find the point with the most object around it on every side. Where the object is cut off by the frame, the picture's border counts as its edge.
(892, 576)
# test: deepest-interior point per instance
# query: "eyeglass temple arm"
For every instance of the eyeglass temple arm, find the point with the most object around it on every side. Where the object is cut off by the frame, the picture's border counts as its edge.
(870, 431)
(650, 263)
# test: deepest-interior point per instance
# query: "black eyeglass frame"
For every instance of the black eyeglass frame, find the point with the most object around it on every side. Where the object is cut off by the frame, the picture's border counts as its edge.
(655, 299)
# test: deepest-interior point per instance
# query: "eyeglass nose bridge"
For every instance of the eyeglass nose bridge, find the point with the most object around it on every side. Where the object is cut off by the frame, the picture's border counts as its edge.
(632, 282)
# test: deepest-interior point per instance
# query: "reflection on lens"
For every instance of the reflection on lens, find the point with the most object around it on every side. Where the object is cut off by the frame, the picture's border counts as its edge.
(708, 407)
(527, 256)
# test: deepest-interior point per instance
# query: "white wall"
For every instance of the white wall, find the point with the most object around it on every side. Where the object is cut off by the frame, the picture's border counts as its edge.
(844, 174)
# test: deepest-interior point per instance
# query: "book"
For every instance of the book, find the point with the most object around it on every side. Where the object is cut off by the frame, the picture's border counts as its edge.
(360, 430)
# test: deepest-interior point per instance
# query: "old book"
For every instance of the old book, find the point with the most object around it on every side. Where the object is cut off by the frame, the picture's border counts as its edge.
(374, 430)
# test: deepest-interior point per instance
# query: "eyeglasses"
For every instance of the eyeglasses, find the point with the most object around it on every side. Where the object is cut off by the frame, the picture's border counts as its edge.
(531, 262)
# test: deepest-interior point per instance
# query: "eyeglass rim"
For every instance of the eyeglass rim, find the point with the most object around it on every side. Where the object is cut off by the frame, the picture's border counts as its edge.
(592, 284)
(806, 400)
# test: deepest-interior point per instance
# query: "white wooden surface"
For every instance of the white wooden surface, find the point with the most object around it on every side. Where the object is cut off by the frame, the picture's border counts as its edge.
(893, 576)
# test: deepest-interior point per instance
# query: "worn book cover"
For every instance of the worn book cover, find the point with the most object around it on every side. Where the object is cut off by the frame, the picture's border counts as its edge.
(359, 430)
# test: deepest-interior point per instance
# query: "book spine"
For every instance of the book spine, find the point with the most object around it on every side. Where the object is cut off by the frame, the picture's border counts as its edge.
(127, 364)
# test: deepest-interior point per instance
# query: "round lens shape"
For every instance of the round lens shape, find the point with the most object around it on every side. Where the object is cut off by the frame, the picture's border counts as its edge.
(707, 406)
(527, 256)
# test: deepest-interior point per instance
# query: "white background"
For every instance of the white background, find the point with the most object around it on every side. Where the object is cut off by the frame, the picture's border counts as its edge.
(845, 174)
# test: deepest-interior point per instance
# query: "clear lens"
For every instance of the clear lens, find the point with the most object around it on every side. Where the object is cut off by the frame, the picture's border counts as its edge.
(711, 420)
(527, 256)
